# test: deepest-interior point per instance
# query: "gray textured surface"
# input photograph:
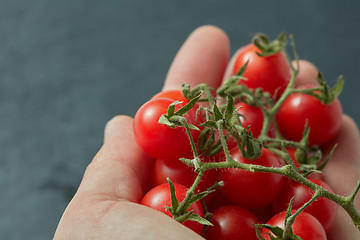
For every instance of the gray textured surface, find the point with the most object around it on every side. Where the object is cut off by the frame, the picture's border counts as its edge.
(67, 67)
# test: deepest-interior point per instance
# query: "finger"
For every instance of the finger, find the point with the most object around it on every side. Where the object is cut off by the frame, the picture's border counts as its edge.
(342, 179)
(115, 124)
(307, 73)
(202, 59)
(344, 228)
(348, 143)
(120, 170)
(342, 173)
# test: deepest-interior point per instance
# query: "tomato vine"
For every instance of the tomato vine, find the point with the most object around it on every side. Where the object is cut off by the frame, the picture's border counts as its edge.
(221, 117)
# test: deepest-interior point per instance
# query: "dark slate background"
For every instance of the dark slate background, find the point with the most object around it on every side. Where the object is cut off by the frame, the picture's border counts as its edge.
(67, 67)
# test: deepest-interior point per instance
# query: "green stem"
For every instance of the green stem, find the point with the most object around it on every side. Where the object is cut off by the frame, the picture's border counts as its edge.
(291, 219)
(289, 88)
(268, 118)
(190, 193)
(219, 125)
(275, 142)
(209, 96)
(249, 167)
(191, 139)
(356, 190)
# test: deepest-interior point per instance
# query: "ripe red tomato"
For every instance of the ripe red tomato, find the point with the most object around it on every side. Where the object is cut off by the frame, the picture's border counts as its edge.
(180, 173)
(324, 121)
(253, 117)
(305, 226)
(171, 94)
(159, 140)
(248, 189)
(232, 222)
(159, 197)
(270, 73)
(322, 209)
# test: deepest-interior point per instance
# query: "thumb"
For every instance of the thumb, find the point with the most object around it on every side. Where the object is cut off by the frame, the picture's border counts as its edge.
(120, 169)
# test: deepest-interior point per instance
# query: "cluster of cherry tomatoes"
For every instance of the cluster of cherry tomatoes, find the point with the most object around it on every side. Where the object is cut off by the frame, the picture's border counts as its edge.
(246, 198)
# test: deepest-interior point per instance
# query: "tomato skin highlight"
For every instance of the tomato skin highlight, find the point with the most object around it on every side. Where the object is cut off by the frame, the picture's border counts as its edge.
(306, 226)
(271, 73)
(231, 223)
(323, 120)
(159, 197)
(322, 209)
(159, 140)
(248, 189)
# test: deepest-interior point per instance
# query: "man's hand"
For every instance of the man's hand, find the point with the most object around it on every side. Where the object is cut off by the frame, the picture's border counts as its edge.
(105, 205)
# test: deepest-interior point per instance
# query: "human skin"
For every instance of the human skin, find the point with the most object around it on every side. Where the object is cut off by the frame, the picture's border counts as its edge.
(105, 205)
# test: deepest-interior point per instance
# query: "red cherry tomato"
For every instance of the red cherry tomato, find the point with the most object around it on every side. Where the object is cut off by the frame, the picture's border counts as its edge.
(305, 226)
(180, 173)
(253, 117)
(248, 189)
(323, 209)
(324, 121)
(159, 197)
(177, 95)
(232, 222)
(159, 140)
(270, 73)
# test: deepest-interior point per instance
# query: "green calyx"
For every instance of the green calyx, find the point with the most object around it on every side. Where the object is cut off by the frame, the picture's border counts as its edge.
(268, 47)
